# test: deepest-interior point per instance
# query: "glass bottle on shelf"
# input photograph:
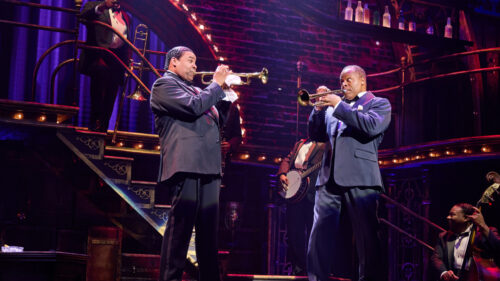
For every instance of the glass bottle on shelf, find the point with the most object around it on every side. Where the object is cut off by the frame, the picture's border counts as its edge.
(348, 11)
(412, 25)
(448, 29)
(376, 18)
(386, 18)
(358, 17)
(366, 14)
(430, 27)
(401, 21)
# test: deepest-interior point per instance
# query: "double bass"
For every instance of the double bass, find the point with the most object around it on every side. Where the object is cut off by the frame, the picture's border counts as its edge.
(481, 269)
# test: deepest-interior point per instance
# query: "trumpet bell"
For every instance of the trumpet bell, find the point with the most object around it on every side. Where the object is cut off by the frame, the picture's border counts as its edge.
(306, 99)
(264, 75)
(137, 95)
(303, 98)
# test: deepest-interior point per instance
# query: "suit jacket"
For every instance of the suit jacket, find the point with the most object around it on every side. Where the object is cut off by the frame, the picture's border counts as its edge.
(442, 259)
(101, 37)
(188, 131)
(352, 150)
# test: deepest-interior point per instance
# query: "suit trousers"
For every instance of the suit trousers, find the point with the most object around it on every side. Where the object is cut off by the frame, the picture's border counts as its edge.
(328, 245)
(105, 78)
(195, 202)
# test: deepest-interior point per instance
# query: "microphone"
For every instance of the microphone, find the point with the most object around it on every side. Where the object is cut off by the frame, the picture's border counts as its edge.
(300, 68)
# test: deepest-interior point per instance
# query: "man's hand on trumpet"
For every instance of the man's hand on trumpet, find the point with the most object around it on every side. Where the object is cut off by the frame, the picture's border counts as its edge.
(221, 74)
(326, 100)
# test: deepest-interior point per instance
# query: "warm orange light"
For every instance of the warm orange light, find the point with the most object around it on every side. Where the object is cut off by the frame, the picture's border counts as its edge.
(193, 16)
(120, 144)
(244, 156)
(485, 149)
(185, 7)
(466, 150)
(42, 118)
(434, 154)
(261, 158)
(18, 116)
(139, 146)
(215, 48)
(221, 59)
(277, 160)
(209, 37)
(157, 147)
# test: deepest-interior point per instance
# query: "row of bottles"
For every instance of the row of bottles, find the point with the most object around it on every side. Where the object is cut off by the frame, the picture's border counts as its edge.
(362, 15)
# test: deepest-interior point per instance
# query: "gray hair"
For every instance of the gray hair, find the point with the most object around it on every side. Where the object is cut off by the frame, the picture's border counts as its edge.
(176, 52)
(360, 71)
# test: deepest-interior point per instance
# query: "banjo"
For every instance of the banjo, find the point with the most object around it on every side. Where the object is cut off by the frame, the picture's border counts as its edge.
(297, 186)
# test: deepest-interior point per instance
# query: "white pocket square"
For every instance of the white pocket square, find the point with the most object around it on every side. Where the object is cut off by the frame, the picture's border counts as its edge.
(360, 107)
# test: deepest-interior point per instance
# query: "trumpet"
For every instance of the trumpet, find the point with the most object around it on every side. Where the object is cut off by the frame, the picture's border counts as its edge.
(235, 78)
(306, 99)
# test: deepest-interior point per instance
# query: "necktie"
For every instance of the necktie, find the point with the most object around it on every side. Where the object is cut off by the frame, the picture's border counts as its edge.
(212, 111)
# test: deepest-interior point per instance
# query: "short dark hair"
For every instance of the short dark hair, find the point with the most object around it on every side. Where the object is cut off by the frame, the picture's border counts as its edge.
(467, 208)
(175, 52)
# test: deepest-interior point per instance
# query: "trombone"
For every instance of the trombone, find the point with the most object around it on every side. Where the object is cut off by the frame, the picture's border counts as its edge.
(306, 99)
(235, 78)
(141, 34)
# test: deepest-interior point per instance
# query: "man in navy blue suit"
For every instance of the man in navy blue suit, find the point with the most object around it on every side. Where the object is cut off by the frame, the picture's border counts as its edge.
(349, 180)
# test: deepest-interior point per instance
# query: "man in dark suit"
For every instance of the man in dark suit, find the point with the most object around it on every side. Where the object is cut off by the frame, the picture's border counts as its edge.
(299, 215)
(106, 74)
(188, 123)
(450, 249)
(349, 180)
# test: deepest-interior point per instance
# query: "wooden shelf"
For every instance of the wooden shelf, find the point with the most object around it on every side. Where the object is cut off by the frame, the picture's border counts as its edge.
(377, 32)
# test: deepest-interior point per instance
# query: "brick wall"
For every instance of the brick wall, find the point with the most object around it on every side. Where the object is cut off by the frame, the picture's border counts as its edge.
(256, 34)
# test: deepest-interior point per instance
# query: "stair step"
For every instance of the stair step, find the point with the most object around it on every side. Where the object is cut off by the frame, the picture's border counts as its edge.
(153, 183)
(118, 158)
(118, 169)
(162, 206)
(140, 267)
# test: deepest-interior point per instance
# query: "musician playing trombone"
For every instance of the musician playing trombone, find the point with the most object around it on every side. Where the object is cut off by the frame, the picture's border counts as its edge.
(106, 74)
(349, 181)
(305, 156)
(187, 120)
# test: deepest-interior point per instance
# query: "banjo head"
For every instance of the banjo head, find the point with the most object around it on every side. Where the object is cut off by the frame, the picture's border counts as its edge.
(294, 182)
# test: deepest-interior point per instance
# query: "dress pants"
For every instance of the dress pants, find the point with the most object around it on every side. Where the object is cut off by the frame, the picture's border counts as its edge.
(327, 244)
(195, 202)
(105, 78)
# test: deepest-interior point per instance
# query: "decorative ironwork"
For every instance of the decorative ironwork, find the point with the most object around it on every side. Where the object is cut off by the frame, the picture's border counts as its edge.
(408, 271)
(118, 167)
(161, 214)
(143, 193)
(410, 189)
(91, 142)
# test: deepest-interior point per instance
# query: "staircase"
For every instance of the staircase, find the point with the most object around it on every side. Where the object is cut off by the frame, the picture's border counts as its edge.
(127, 171)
